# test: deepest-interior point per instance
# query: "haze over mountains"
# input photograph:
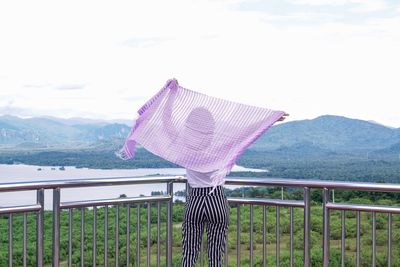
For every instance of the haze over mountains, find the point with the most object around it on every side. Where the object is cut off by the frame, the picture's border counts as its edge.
(57, 133)
(323, 135)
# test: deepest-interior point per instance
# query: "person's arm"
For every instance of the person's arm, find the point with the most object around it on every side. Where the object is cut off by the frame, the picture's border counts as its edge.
(168, 125)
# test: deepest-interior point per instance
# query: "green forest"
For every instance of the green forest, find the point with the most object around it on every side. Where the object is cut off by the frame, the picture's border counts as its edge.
(261, 192)
(343, 167)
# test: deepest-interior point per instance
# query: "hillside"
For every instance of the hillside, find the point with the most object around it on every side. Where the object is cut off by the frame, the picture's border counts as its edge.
(320, 137)
(55, 133)
(336, 133)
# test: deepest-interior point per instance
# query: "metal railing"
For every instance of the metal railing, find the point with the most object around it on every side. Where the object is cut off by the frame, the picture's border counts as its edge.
(156, 201)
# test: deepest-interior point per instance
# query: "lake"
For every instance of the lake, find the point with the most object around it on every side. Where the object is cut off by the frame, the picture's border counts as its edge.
(29, 173)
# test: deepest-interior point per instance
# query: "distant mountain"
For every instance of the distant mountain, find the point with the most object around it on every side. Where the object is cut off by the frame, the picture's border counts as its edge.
(85, 121)
(50, 132)
(305, 149)
(335, 133)
(391, 152)
(323, 136)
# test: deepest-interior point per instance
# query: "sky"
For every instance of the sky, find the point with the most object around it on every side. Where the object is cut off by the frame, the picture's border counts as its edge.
(104, 59)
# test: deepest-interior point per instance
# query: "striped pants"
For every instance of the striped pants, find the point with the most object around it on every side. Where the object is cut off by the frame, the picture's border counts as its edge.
(209, 210)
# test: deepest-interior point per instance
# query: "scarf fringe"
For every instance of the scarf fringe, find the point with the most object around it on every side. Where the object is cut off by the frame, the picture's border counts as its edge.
(219, 177)
(124, 153)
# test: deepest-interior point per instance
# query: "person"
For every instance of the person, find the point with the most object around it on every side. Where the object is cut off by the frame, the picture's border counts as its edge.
(205, 135)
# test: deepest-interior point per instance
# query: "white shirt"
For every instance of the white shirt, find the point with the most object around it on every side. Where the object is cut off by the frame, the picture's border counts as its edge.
(201, 179)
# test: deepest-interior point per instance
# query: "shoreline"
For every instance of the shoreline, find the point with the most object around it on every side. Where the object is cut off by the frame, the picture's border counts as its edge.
(19, 173)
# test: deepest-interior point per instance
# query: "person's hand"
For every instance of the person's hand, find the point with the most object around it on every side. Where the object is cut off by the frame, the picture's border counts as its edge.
(283, 117)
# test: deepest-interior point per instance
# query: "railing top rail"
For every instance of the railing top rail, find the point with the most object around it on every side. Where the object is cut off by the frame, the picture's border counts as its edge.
(109, 181)
(360, 186)
(244, 181)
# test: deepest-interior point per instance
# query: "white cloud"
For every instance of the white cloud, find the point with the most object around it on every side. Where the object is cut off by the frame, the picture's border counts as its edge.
(122, 52)
(71, 87)
(358, 5)
(363, 5)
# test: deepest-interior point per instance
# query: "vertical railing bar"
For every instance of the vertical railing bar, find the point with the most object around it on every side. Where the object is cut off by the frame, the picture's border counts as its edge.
(251, 235)
(343, 241)
(82, 237)
(138, 237)
(278, 236)
(158, 232)
(128, 235)
(56, 227)
(187, 190)
(170, 191)
(10, 240)
(105, 235)
(226, 250)
(117, 236)
(148, 233)
(389, 250)
(325, 234)
(373, 239)
(69, 237)
(39, 227)
(306, 227)
(358, 239)
(264, 245)
(24, 239)
(202, 251)
(94, 249)
(238, 236)
(291, 236)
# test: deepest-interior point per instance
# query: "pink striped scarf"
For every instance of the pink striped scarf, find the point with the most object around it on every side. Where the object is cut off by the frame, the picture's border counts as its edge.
(196, 131)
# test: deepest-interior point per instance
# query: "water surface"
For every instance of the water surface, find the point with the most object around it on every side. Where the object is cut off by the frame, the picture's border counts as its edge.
(28, 173)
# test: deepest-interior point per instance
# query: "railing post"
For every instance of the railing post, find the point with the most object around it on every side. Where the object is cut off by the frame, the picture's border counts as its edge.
(389, 250)
(291, 237)
(24, 232)
(82, 237)
(117, 236)
(251, 235)
(170, 191)
(238, 251)
(278, 236)
(358, 252)
(373, 239)
(106, 236)
(306, 227)
(10, 240)
(94, 240)
(128, 234)
(158, 233)
(138, 236)
(148, 233)
(343, 241)
(264, 239)
(70, 237)
(39, 227)
(56, 227)
(325, 234)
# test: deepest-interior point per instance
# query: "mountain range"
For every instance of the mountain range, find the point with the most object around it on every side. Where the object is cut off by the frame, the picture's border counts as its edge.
(51, 132)
(323, 135)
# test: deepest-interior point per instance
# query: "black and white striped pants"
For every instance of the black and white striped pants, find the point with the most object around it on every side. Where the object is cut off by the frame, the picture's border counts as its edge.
(209, 210)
